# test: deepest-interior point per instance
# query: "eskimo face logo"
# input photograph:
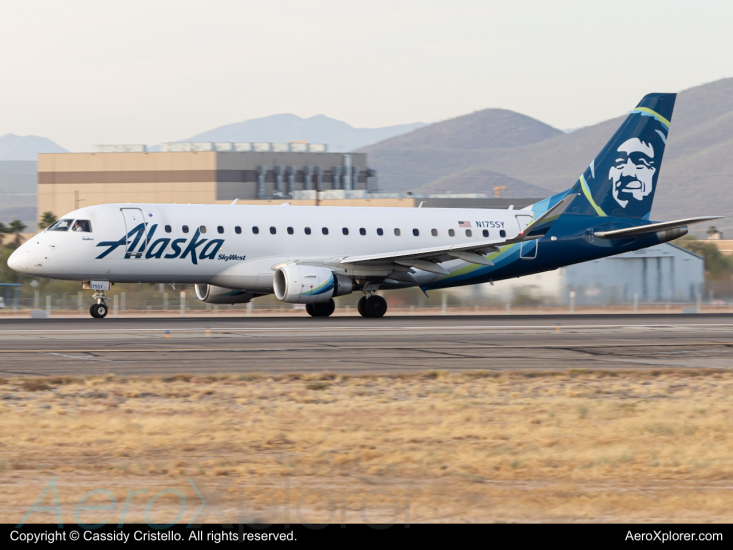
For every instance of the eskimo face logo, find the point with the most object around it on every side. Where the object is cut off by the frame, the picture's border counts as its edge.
(632, 174)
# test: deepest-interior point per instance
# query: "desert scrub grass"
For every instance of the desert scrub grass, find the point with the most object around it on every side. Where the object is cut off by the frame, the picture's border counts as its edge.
(34, 385)
(178, 378)
(659, 429)
(467, 435)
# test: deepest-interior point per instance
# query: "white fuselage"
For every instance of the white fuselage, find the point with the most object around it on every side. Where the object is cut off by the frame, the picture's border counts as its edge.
(213, 252)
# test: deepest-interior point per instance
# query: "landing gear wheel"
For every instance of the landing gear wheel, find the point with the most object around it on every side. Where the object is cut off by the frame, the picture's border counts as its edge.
(360, 306)
(309, 310)
(98, 311)
(375, 306)
(324, 309)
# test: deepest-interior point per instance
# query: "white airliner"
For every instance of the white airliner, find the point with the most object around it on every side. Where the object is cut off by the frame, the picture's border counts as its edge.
(309, 255)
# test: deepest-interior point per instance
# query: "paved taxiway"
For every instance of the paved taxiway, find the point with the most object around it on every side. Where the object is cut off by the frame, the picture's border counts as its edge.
(128, 346)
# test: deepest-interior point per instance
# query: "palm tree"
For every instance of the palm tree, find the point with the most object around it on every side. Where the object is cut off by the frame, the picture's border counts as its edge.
(16, 228)
(47, 219)
(4, 230)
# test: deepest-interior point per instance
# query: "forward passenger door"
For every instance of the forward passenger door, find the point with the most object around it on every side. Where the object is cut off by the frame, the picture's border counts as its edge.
(135, 244)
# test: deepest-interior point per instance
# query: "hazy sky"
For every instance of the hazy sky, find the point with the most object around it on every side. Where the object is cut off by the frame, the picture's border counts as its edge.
(83, 72)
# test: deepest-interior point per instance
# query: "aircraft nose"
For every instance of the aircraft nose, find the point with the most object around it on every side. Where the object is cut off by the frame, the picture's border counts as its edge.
(18, 260)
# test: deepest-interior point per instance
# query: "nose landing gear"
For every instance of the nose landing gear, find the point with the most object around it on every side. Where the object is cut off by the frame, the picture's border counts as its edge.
(100, 309)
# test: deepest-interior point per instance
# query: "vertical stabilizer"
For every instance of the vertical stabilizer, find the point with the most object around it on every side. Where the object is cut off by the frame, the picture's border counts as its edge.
(622, 179)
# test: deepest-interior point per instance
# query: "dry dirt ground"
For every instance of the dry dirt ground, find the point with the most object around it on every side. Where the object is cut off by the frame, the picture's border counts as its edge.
(571, 447)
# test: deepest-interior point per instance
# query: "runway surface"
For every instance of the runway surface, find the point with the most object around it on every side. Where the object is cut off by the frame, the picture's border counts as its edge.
(45, 347)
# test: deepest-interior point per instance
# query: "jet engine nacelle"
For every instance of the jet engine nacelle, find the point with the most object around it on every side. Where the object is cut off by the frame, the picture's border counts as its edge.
(305, 284)
(217, 295)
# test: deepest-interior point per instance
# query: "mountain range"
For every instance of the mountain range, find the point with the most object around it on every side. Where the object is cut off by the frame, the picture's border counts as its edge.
(14, 147)
(18, 187)
(338, 135)
(446, 156)
(476, 152)
(698, 162)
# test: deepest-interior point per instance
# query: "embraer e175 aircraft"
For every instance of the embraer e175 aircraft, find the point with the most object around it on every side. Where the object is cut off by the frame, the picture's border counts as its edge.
(309, 255)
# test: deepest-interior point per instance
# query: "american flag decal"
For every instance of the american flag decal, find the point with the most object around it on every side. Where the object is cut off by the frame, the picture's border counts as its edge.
(464, 224)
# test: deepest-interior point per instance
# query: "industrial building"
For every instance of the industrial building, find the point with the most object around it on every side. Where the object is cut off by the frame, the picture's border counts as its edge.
(662, 273)
(219, 173)
(196, 173)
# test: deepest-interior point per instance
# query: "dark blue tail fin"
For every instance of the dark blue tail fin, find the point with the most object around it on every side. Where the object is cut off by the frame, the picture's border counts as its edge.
(622, 179)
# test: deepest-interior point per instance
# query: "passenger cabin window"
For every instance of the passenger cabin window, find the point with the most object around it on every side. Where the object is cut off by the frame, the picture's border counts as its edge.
(325, 230)
(362, 231)
(416, 232)
(307, 230)
(434, 232)
(468, 233)
(61, 225)
(185, 229)
(502, 233)
(273, 230)
(168, 229)
(345, 231)
(451, 233)
(202, 229)
(485, 232)
(84, 226)
(220, 230)
(255, 230)
(380, 231)
(290, 231)
(238, 230)
(397, 232)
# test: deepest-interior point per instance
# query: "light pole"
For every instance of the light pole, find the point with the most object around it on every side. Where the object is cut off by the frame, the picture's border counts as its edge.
(77, 200)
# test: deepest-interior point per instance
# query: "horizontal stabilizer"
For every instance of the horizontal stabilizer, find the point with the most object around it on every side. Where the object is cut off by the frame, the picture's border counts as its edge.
(630, 232)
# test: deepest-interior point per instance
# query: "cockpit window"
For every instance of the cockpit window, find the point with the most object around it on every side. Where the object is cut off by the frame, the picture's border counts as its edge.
(84, 226)
(61, 225)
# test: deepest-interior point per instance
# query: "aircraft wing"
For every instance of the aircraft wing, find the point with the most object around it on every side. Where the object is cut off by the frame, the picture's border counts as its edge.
(630, 232)
(428, 258)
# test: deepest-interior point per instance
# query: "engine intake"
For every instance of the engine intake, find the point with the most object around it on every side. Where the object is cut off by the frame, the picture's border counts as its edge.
(217, 295)
(305, 284)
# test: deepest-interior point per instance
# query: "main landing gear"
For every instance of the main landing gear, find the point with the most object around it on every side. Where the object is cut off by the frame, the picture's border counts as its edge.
(372, 306)
(323, 309)
(100, 309)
